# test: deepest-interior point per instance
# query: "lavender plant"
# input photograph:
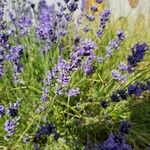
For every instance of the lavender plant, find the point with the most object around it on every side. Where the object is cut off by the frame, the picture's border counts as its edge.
(75, 84)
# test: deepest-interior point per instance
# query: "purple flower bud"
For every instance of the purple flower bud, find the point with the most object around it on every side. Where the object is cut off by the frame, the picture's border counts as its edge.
(118, 76)
(85, 29)
(1, 13)
(124, 127)
(90, 17)
(104, 104)
(123, 67)
(104, 18)
(138, 52)
(72, 6)
(94, 8)
(13, 109)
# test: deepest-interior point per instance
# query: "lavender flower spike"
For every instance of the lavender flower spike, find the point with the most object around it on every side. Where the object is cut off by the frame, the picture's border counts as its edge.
(73, 92)
(104, 18)
(10, 127)
(118, 76)
(2, 111)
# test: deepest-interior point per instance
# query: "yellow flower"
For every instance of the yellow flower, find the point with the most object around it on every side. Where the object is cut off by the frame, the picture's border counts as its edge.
(133, 3)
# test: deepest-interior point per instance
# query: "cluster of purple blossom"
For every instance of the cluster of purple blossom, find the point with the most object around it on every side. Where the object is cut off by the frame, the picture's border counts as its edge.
(52, 23)
(10, 125)
(82, 57)
(14, 56)
(133, 89)
(114, 141)
(136, 89)
(115, 43)
(3, 42)
(104, 18)
(42, 134)
(9, 52)
(21, 22)
(138, 52)
(119, 76)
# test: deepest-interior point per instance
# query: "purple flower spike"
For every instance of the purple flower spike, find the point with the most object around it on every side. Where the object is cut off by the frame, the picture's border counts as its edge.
(73, 92)
(138, 52)
(90, 17)
(124, 127)
(118, 76)
(10, 127)
(1, 13)
(94, 8)
(115, 43)
(2, 111)
(115, 143)
(24, 23)
(104, 18)
(13, 109)
(123, 67)
(72, 6)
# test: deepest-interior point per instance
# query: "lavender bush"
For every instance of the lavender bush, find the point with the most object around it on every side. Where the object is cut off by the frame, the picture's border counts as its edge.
(68, 85)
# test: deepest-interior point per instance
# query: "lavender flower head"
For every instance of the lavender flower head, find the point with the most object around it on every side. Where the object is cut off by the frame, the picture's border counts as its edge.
(73, 92)
(44, 131)
(138, 52)
(94, 8)
(13, 109)
(1, 13)
(2, 59)
(24, 23)
(104, 104)
(115, 143)
(10, 127)
(63, 79)
(72, 6)
(88, 47)
(123, 67)
(104, 18)
(124, 127)
(114, 43)
(88, 67)
(118, 76)
(90, 17)
(45, 29)
(136, 89)
(44, 95)
(120, 34)
(2, 111)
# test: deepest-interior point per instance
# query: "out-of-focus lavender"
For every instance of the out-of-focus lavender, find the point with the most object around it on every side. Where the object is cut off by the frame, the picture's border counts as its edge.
(14, 56)
(118, 76)
(73, 92)
(115, 43)
(114, 141)
(2, 111)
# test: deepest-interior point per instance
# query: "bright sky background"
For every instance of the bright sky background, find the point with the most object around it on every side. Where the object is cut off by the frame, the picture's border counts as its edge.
(119, 8)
